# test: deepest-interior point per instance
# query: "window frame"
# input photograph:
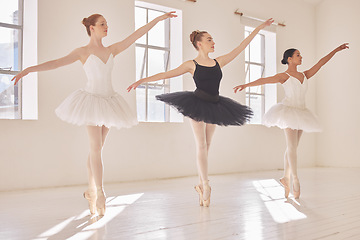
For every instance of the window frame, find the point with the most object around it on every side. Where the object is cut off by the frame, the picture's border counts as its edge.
(262, 64)
(18, 87)
(145, 64)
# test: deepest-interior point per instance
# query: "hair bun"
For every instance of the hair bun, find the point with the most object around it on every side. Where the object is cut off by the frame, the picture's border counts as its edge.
(84, 21)
(193, 35)
(283, 61)
(196, 36)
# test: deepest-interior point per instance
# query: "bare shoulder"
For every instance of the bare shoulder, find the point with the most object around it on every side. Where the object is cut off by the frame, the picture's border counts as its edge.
(82, 50)
(282, 77)
(189, 66)
(111, 48)
(82, 53)
(219, 60)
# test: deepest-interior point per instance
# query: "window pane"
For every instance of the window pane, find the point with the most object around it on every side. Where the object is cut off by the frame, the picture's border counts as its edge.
(156, 109)
(256, 106)
(255, 49)
(140, 103)
(247, 49)
(9, 10)
(157, 61)
(9, 50)
(8, 98)
(140, 20)
(157, 33)
(140, 63)
(255, 73)
(247, 73)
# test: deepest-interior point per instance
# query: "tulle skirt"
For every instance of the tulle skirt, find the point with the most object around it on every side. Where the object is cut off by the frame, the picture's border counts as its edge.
(221, 111)
(84, 108)
(283, 116)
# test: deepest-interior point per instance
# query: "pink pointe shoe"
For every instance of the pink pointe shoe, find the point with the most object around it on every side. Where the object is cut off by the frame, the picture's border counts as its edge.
(100, 202)
(198, 189)
(91, 197)
(296, 193)
(286, 187)
(207, 189)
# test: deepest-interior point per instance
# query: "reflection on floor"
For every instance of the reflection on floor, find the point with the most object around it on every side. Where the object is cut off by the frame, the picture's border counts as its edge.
(243, 206)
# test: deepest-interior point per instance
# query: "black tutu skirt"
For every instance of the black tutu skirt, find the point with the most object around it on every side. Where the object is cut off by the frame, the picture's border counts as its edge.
(202, 107)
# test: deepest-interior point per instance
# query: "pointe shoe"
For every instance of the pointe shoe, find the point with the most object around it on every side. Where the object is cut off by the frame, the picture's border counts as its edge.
(296, 193)
(286, 187)
(100, 202)
(199, 190)
(91, 197)
(207, 188)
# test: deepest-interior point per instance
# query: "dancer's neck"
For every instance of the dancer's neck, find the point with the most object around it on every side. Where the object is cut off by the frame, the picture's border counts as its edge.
(292, 68)
(203, 56)
(95, 42)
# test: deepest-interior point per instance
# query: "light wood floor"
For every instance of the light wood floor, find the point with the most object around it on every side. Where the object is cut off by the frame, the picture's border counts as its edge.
(243, 206)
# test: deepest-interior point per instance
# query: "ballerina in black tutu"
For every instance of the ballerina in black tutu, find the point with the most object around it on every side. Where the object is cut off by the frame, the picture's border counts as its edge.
(204, 106)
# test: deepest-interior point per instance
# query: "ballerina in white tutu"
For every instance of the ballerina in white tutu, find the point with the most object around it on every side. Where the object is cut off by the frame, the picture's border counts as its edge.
(291, 114)
(97, 106)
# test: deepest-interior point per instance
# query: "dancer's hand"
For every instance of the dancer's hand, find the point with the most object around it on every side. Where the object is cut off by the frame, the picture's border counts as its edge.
(167, 15)
(239, 88)
(20, 75)
(342, 47)
(267, 23)
(134, 86)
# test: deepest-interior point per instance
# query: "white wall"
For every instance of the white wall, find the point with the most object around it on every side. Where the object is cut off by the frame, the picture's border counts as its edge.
(49, 152)
(338, 84)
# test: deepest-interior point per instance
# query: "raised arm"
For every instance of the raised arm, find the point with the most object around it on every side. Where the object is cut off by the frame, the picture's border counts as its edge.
(53, 64)
(312, 71)
(225, 59)
(118, 47)
(278, 78)
(187, 66)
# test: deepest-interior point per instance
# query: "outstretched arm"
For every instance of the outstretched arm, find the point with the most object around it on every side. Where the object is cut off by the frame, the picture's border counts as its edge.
(118, 47)
(278, 78)
(312, 71)
(182, 69)
(225, 59)
(70, 58)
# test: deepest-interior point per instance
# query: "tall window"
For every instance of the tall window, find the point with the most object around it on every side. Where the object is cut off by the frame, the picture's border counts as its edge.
(153, 55)
(260, 61)
(11, 32)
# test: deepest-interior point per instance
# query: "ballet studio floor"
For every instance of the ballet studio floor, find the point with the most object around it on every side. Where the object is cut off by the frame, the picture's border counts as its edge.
(243, 206)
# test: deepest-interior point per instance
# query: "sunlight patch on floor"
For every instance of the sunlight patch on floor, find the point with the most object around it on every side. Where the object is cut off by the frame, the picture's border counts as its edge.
(114, 206)
(281, 209)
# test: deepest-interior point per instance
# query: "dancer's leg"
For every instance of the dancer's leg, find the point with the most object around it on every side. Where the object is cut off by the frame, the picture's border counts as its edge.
(210, 129)
(203, 135)
(209, 132)
(292, 141)
(97, 136)
(287, 171)
(199, 130)
(91, 180)
(299, 136)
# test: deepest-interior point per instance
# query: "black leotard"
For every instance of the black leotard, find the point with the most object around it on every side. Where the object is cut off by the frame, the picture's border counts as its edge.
(208, 79)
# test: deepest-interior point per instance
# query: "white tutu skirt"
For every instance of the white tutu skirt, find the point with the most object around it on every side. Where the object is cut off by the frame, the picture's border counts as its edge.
(283, 116)
(84, 108)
